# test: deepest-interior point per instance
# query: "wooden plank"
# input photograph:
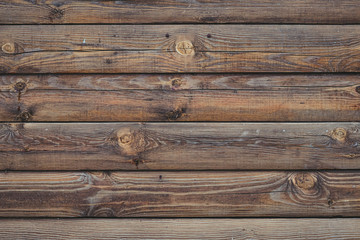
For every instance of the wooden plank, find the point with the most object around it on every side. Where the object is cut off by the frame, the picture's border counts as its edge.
(180, 194)
(179, 48)
(272, 229)
(256, 97)
(282, 104)
(112, 82)
(176, 11)
(179, 146)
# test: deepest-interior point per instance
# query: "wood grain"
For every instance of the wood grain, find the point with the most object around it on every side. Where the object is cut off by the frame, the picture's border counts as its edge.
(179, 48)
(113, 82)
(239, 229)
(282, 104)
(179, 146)
(176, 11)
(180, 194)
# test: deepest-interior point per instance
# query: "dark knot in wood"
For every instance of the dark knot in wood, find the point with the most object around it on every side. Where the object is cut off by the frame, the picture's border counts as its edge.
(24, 116)
(176, 82)
(175, 114)
(357, 89)
(56, 14)
(19, 86)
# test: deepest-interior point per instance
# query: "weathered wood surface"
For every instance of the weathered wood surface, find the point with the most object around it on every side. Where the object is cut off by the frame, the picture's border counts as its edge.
(179, 194)
(112, 82)
(177, 97)
(179, 146)
(176, 11)
(239, 229)
(179, 48)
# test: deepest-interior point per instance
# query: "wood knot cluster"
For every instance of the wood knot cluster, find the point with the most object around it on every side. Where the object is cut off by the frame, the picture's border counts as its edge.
(185, 48)
(339, 134)
(305, 181)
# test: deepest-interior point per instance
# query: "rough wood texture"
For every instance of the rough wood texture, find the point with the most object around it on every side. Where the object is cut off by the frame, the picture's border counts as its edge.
(112, 82)
(179, 48)
(176, 11)
(179, 146)
(239, 229)
(179, 194)
(177, 97)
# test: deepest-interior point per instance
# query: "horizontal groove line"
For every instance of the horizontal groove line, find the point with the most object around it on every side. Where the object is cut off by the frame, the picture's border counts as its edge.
(146, 50)
(263, 89)
(176, 218)
(187, 73)
(174, 122)
(6, 171)
(191, 122)
(182, 23)
(190, 73)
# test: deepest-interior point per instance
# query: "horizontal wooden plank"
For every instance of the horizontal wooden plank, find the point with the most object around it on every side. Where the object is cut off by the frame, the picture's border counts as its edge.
(176, 11)
(179, 194)
(179, 146)
(88, 229)
(112, 82)
(177, 97)
(297, 104)
(179, 48)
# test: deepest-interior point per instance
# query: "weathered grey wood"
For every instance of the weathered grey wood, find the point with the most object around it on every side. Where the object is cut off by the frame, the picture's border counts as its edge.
(239, 229)
(179, 48)
(179, 146)
(180, 194)
(176, 11)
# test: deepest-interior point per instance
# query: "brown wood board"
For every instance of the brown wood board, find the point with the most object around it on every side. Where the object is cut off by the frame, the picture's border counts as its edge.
(174, 97)
(240, 229)
(180, 194)
(179, 48)
(176, 11)
(179, 146)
